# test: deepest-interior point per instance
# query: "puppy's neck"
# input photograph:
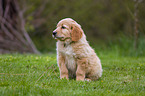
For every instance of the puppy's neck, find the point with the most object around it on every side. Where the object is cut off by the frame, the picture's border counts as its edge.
(65, 43)
(83, 40)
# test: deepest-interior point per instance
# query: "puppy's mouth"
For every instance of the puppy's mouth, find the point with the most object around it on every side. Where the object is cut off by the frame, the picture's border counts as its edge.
(61, 38)
(57, 37)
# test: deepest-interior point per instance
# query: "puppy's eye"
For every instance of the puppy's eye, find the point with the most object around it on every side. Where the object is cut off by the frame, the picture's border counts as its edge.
(63, 27)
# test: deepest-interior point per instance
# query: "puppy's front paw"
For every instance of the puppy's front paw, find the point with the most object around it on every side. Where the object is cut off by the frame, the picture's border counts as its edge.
(64, 77)
(87, 79)
(80, 79)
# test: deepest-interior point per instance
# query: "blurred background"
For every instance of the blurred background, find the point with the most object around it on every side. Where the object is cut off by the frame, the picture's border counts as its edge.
(110, 25)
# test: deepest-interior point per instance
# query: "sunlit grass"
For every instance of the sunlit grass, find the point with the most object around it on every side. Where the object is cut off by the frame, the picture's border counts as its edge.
(34, 75)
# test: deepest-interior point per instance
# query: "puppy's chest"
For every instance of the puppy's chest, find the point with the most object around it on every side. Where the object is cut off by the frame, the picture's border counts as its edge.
(67, 50)
(69, 55)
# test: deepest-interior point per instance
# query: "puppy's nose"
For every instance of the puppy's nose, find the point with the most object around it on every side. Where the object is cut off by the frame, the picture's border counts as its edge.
(54, 33)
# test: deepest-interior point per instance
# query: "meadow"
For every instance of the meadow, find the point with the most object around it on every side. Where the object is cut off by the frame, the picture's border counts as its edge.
(112, 27)
(38, 75)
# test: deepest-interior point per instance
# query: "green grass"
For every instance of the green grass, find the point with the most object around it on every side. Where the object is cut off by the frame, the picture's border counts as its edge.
(38, 75)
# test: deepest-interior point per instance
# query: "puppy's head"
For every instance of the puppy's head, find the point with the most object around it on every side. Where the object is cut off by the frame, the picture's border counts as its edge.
(68, 29)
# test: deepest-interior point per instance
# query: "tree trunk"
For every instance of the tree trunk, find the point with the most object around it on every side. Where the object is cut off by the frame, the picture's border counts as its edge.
(136, 24)
(13, 36)
(136, 30)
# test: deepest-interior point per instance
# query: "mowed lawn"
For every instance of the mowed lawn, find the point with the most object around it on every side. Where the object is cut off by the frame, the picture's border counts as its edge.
(38, 75)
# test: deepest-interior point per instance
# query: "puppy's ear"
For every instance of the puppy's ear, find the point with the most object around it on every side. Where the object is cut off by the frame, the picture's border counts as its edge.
(76, 33)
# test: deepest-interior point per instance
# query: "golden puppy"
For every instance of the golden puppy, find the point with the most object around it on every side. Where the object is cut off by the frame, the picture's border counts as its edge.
(75, 57)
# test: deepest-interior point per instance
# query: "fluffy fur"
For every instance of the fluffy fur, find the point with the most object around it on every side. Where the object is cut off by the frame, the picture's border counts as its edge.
(75, 57)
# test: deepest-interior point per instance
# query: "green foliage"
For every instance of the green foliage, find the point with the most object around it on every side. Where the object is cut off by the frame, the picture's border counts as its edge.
(39, 75)
(102, 21)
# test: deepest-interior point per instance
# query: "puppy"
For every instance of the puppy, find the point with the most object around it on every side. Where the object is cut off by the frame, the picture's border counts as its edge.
(75, 57)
